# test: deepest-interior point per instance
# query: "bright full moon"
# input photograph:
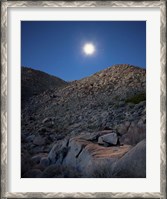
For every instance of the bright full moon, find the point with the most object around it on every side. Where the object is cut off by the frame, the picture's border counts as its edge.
(89, 49)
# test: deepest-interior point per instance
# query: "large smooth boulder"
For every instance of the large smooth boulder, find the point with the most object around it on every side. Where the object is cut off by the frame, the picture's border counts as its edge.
(83, 155)
(132, 164)
(76, 145)
(93, 155)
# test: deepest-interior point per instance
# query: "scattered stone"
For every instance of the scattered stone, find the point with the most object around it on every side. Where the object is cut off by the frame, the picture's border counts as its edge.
(89, 136)
(110, 139)
(48, 119)
(30, 138)
(36, 149)
(42, 130)
(36, 158)
(39, 141)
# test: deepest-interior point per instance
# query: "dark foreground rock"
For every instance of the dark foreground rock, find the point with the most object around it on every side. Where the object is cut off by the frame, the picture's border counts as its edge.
(89, 159)
(132, 164)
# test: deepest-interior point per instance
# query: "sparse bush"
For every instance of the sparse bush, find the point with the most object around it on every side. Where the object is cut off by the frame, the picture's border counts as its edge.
(59, 171)
(136, 98)
(102, 170)
(116, 105)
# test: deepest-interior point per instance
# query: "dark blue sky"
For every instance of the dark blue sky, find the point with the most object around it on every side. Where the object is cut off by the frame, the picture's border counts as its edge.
(56, 47)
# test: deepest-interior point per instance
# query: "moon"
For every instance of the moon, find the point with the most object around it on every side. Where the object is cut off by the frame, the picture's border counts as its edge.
(89, 49)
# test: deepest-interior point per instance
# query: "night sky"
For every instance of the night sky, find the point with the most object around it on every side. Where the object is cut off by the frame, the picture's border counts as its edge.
(56, 47)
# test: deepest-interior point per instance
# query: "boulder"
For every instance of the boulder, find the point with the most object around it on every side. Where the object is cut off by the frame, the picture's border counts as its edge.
(48, 119)
(132, 164)
(89, 136)
(135, 134)
(36, 158)
(42, 130)
(122, 128)
(82, 154)
(30, 138)
(84, 159)
(110, 139)
(76, 146)
(58, 152)
(38, 140)
(93, 155)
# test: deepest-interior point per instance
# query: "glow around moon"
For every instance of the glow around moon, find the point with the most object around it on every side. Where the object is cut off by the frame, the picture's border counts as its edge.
(89, 49)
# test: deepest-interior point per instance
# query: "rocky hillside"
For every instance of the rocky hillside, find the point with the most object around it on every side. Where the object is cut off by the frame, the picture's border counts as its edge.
(34, 82)
(89, 124)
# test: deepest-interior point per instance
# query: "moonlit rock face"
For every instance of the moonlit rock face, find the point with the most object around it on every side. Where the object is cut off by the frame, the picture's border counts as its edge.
(89, 49)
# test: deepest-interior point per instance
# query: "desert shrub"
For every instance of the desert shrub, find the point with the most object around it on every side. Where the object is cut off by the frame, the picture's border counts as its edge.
(103, 170)
(116, 98)
(59, 171)
(136, 98)
(116, 105)
(32, 173)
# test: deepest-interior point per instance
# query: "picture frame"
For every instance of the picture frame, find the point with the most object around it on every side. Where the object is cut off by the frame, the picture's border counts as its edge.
(5, 5)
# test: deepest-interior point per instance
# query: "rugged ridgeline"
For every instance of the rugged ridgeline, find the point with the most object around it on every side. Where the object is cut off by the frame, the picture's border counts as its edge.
(34, 82)
(94, 127)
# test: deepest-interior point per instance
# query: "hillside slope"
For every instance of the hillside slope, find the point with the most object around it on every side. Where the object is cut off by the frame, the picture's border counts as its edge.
(88, 122)
(92, 103)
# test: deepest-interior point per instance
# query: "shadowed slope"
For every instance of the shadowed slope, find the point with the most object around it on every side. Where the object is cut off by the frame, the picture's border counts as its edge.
(34, 82)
